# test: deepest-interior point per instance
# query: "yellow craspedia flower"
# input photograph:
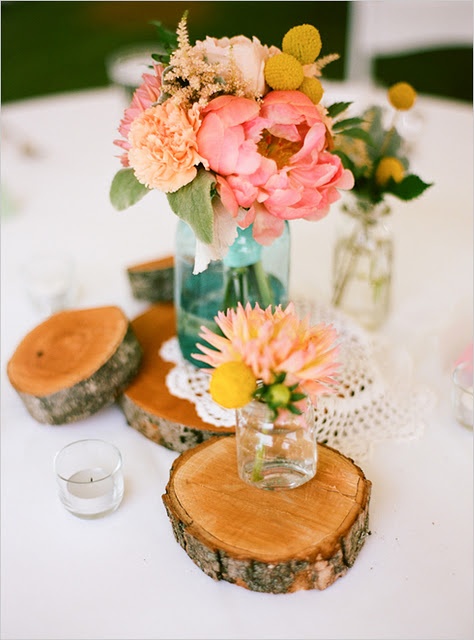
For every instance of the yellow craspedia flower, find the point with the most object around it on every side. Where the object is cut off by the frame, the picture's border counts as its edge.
(402, 96)
(283, 72)
(312, 88)
(232, 384)
(389, 168)
(302, 42)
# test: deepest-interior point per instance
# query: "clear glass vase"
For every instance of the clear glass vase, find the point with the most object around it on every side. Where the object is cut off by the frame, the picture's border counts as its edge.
(279, 454)
(362, 263)
(250, 272)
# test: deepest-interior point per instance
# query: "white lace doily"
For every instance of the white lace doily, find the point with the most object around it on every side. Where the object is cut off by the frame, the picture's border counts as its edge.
(377, 399)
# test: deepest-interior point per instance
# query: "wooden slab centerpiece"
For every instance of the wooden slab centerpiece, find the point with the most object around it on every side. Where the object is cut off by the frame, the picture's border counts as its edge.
(268, 541)
(75, 363)
(153, 280)
(147, 403)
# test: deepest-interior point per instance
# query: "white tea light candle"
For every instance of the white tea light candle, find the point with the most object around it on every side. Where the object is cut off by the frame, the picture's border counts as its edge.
(89, 477)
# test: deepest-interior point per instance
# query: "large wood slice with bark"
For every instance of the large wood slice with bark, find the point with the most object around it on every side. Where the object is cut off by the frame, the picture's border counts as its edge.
(269, 541)
(75, 363)
(153, 281)
(147, 404)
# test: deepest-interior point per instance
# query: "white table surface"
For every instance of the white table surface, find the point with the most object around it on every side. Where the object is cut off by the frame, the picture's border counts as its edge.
(124, 576)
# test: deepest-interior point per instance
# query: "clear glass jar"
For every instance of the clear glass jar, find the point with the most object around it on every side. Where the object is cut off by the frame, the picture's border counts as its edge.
(273, 454)
(250, 272)
(362, 264)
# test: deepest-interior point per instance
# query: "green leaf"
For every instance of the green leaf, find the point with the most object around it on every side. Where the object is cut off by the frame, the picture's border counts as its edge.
(358, 133)
(346, 160)
(348, 122)
(407, 189)
(167, 42)
(125, 189)
(193, 204)
(292, 409)
(337, 108)
(295, 397)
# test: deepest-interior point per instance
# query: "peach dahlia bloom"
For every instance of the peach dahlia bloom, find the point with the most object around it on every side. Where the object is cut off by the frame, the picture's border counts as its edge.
(272, 342)
(163, 148)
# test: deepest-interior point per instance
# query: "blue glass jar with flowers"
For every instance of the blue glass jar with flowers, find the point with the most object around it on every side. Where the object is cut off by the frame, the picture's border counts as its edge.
(234, 132)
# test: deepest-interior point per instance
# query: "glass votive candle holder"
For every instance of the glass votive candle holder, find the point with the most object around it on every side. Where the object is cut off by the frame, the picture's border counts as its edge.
(50, 282)
(89, 478)
(462, 398)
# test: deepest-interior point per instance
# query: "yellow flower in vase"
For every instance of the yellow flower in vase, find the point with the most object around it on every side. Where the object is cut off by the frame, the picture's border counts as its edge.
(271, 367)
(363, 256)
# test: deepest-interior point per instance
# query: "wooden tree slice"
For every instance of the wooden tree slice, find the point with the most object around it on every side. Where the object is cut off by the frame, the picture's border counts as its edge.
(148, 405)
(270, 541)
(153, 281)
(75, 363)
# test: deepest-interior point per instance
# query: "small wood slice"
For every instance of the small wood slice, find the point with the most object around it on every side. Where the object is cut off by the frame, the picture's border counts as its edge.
(75, 363)
(153, 281)
(148, 405)
(269, 541)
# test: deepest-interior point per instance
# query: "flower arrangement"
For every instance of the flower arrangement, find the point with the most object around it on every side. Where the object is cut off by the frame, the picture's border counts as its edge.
(233, 131)
(374, 153)
(269, 355)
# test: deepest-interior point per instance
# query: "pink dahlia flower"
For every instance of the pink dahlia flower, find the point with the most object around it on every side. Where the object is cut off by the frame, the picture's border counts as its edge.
(274, 157)
(144, 97)
(272, 342)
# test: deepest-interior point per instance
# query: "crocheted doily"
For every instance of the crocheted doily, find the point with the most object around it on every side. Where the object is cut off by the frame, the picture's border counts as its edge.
(377, 398)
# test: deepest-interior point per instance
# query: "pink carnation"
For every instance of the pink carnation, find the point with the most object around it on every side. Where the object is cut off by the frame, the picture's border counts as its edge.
(163, 148)
(144, 97)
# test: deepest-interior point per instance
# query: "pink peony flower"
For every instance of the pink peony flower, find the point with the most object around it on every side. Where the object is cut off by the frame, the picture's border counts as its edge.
(249, 56)
(143, 98)
(272, 342)
(163, 148)
(273, 157)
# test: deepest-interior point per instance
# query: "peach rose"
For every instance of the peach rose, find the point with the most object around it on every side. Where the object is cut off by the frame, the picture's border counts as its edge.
(163, 148)
(248, 55)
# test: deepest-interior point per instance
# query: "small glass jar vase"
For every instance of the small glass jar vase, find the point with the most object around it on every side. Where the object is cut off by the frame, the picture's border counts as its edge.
(362, 263)
(250, 272)
(275, 454)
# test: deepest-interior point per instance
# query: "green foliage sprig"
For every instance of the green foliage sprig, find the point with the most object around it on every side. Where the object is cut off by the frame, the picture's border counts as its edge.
(364, 145)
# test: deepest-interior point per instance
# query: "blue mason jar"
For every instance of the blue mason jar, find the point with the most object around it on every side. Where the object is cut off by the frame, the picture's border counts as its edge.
(250, 272)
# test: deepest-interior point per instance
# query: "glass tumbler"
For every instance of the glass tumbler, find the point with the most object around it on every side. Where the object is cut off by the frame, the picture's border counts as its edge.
(275, 454)
(89, 478)
(462, 398)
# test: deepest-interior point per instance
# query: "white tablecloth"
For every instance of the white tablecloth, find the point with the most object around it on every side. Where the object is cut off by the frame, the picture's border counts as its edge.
(124, 576)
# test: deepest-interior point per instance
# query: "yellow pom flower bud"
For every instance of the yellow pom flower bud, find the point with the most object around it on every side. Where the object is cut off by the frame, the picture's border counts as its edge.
(232, 384)
(302, 42)
(283, 72)
(402, 96)
(313, 89)
(278, 395)
(389, 168)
